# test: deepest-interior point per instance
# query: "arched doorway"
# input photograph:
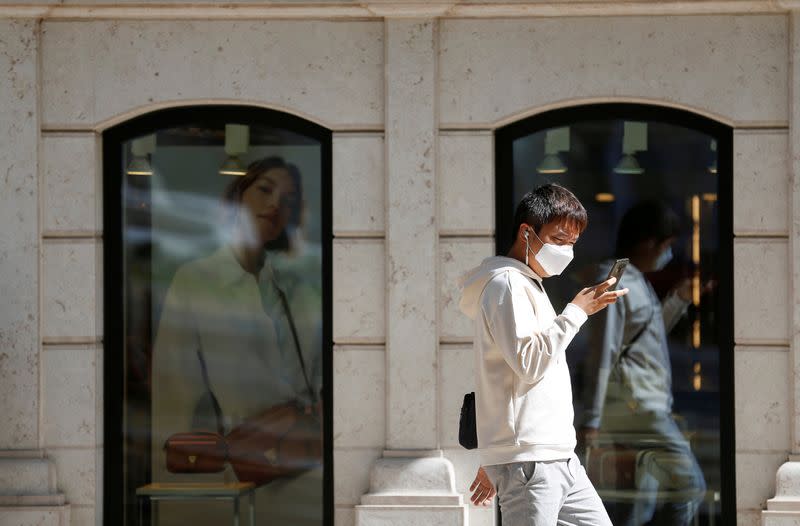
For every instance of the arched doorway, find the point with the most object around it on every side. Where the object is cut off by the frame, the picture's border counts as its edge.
(613, 157)
(217, 262)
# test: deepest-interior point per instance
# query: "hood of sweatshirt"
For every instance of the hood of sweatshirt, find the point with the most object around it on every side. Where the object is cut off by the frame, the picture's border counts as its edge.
(474, 281)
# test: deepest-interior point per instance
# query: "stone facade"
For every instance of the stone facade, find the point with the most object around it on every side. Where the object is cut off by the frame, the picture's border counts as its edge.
(412, 103)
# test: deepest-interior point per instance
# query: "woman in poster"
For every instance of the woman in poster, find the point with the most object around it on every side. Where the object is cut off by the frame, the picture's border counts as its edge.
(228, 307)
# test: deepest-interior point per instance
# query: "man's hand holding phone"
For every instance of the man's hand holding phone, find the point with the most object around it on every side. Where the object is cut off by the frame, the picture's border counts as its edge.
(594, 299)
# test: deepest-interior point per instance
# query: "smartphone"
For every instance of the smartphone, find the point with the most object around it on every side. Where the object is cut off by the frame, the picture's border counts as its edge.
(617, 269)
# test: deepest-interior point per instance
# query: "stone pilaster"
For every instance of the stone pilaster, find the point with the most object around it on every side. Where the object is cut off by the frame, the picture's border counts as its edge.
(411, 234)
(19, 309)
(413, 484)
(784, 508)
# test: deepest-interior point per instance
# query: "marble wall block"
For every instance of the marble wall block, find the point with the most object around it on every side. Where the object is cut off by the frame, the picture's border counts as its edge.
(760, 182)
(763, 409)
(457, 256)
(76, 473)
(99, 398)
(71, 191)
(359, 289)
(68, 396)
(26, 475)
(334, 73)
(69, 289)
(358, 184)
(733, 66)
(83, 516)
(466, 184)
(359, 394)
(19, 237)
(761, 295)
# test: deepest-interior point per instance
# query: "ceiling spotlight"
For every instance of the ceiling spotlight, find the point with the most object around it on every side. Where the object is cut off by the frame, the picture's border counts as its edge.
(555, 141)
(233, 166)
(551, 164)
(628, 165)
(634, 139)
(712, 169)
(139, 166)
(237, 141)
(141, 148)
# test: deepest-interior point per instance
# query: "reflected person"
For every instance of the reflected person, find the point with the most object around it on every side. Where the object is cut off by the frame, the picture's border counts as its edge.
(628, 377)
(226, 306)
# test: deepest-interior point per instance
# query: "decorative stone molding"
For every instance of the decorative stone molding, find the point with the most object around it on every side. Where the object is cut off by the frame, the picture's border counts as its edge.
(184, 9)
(28, 490)
(784, 508)
(410, 491)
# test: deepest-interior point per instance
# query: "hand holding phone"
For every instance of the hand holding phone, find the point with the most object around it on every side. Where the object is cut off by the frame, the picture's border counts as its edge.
(617, 269)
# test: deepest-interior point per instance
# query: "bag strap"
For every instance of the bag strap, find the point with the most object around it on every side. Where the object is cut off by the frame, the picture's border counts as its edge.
(290, 318)
(214, 402)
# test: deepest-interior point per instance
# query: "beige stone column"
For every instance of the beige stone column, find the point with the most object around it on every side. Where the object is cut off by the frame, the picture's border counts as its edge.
(28, 491)
(411, 233)
(784, 508)
(413, 483)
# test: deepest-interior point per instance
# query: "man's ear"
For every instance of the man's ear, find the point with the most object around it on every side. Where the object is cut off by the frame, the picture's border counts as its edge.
(525, 231)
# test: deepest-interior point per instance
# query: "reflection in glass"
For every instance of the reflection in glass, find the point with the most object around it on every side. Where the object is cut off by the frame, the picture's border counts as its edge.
(646, 372)
(224, 365)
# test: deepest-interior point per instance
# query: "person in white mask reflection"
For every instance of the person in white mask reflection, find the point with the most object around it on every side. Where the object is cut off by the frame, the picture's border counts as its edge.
(628, 382)
(523, 396)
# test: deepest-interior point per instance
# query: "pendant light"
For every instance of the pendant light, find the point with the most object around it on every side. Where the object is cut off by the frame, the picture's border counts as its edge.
(712, 169)
(237, 140)
(634, 139)
(555, 140)
(141, 148)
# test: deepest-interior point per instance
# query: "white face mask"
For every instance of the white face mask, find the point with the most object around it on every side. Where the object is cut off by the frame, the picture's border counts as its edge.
(553, 258)
(664, 258)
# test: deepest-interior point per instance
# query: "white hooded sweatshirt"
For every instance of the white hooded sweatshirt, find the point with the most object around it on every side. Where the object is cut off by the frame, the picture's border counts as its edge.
(523, 397)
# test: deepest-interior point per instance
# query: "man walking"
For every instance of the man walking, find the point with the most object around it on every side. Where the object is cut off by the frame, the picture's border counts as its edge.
(523, 398)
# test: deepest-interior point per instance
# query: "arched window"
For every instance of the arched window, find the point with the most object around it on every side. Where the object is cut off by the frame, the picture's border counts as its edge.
(653, 376)
(217, 261)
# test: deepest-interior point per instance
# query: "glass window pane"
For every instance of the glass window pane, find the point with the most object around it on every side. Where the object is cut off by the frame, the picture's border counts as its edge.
(222, 248)
(646, 372)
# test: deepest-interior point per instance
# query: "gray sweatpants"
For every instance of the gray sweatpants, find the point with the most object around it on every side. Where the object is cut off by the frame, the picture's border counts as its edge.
(547, 493)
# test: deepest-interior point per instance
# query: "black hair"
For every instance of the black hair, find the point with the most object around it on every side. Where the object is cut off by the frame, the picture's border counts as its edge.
(645, 221)
(547, 203)
(232, 196)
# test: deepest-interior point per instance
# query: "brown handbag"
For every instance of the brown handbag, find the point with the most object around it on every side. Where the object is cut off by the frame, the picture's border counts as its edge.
(285, 440)
(198, 451)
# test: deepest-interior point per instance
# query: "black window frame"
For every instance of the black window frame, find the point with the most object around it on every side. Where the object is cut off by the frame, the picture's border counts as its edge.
(113, 140)
(723, 134)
